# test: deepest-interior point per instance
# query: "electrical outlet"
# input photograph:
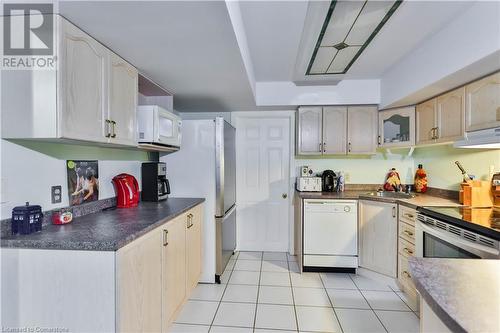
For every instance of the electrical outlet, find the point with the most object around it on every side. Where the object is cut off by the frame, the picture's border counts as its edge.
(347, 177)
(56, 194)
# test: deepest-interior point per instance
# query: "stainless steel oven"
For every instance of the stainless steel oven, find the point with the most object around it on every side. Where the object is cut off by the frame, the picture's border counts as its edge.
(438, 239)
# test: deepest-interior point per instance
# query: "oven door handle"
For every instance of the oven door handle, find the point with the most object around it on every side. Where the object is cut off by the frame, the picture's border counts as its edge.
(475, 248)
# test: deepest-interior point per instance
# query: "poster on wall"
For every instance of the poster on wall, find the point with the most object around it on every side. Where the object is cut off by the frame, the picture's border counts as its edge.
(83, 181)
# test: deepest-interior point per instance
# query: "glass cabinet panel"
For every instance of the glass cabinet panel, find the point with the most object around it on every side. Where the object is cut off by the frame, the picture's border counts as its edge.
(397, 127)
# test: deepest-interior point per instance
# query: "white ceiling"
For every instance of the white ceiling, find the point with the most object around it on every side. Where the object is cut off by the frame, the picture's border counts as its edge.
(274, 32)
(190, 46)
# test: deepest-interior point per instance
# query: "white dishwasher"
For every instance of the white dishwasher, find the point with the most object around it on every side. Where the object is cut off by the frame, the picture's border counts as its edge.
(330, 234)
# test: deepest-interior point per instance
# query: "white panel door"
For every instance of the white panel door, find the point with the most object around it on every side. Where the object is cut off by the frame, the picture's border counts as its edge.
(262, 183)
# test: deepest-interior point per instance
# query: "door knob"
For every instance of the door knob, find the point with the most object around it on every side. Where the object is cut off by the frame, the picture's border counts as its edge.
(284, 195)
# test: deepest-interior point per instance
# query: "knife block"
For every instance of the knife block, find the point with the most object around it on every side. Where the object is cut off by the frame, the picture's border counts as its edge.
(476, 193)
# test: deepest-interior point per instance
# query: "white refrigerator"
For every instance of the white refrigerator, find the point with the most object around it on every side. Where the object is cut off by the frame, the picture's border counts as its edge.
(205, 166)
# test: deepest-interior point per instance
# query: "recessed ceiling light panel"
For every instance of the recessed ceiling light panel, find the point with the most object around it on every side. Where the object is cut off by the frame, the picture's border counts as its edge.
(348, 29)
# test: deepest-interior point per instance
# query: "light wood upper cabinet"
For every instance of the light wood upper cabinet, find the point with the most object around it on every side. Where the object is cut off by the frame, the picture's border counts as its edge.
(123, 101)
(450, 114)
(334, 130)
(337, 130)
(173, 268)
(482, 103)
(193, 245)
(139, 283)
(83, 108)
(426, 121)
(90, 96)
(396, 127)
(309, 136)
(378, 227)
(362, 129)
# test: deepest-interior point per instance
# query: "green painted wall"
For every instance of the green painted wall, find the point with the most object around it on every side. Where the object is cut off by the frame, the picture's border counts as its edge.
(439, 162)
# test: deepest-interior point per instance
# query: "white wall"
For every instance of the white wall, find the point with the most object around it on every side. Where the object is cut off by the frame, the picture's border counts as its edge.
(27, 175)
(471, 41)
(345, 92)
(363, 169)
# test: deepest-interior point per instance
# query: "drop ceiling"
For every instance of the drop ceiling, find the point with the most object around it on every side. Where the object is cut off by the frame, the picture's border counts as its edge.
(190, 47)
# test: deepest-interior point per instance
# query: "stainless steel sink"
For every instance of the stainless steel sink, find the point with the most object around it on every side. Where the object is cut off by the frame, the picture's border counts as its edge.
(391, 195)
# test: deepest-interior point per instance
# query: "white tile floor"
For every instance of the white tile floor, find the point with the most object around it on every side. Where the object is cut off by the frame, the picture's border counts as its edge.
(263, 293)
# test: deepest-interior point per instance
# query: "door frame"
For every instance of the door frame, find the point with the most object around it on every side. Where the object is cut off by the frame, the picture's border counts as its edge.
(283, 114)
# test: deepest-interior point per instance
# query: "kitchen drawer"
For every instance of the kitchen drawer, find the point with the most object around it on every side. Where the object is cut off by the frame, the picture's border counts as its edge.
(407, 214)
(407, 232)
(404, 275)
(406, 248)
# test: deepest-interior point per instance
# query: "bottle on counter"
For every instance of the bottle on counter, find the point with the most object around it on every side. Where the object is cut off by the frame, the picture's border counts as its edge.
(420, 180)
(340, 182)
(392, 181)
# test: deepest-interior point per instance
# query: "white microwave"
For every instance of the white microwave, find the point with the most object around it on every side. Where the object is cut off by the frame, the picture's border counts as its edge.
(158, 126)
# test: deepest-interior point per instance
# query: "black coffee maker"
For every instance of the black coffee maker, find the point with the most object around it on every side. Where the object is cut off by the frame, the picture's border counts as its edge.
(329, 181)
(155, 185)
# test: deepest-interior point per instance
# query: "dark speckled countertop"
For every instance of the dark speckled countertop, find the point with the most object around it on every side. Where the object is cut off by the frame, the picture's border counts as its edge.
(464, 293)
(419, 200)
(104, 231)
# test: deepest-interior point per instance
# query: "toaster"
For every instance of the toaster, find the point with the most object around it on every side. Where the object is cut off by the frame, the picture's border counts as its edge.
(308, 184)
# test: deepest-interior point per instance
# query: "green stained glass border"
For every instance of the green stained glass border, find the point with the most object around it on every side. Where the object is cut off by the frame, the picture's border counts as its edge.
(325, 26)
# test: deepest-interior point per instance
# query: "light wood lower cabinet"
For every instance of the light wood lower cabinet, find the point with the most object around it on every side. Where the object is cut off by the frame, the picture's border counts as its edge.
(378, 236)
(193, 247)
(156, 273)
(139, 284)
(173, 290)
(406, 249)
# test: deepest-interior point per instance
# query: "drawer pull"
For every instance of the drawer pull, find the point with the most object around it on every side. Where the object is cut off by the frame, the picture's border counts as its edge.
(165, 237)
(407, 232)
(190, 220)
(407, 250)
(406, 274)
(410, 216)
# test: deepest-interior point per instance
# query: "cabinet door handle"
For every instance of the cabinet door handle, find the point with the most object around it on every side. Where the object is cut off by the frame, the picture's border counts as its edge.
(324, 145)
(410, 216)
(108, 131)
(379, 142)
(320, 147)
(437, 133)
(165, 237)
(407, 250)
(190, 220)
(349, 147)
(393, 211)
(409, 233)
(113, 124)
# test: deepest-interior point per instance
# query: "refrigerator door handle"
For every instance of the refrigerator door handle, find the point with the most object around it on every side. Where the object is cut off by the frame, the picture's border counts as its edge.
(229, 212)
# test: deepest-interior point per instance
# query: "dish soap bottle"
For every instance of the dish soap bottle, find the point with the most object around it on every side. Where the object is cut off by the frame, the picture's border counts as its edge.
(420, 180)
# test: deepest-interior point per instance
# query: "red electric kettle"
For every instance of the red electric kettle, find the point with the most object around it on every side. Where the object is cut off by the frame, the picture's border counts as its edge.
(127, 190)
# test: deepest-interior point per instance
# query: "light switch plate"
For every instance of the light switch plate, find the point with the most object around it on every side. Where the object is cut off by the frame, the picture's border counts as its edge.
(56, 194)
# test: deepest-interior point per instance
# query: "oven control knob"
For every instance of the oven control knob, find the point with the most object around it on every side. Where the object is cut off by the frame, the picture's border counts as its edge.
(347, 209)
